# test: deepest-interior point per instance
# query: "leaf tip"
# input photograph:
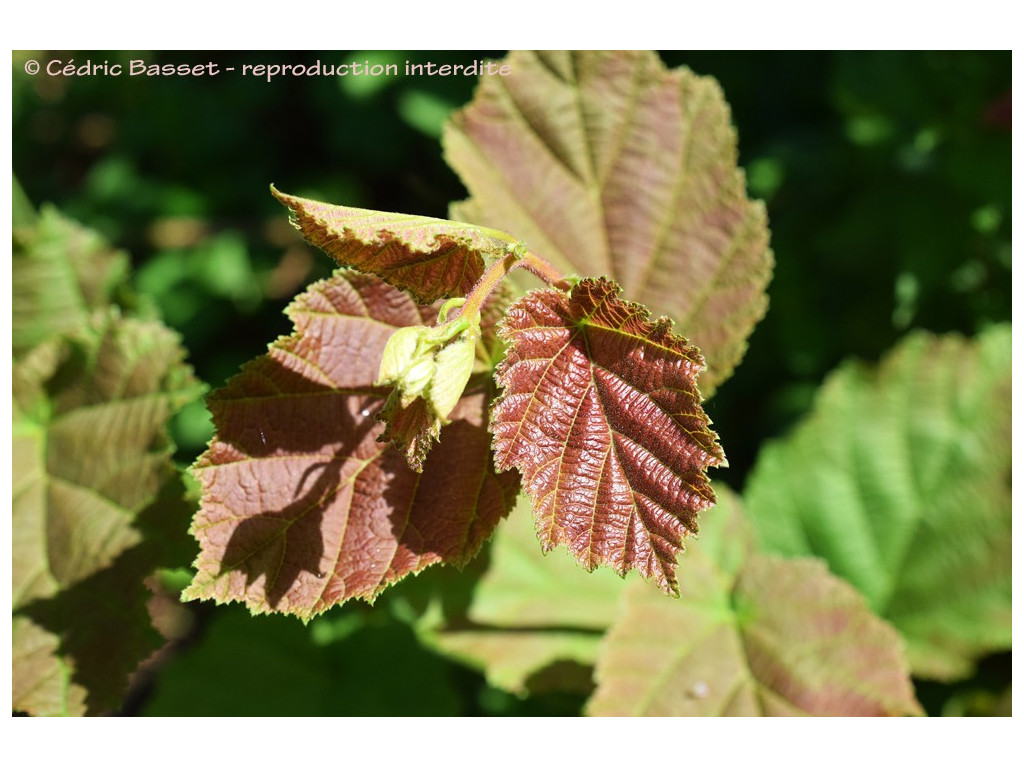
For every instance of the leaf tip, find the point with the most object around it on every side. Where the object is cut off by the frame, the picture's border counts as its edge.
(279, 195)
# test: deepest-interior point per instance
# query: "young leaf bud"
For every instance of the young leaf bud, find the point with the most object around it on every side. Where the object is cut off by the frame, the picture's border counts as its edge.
(429, 369)
(454, 365)
(398, 354)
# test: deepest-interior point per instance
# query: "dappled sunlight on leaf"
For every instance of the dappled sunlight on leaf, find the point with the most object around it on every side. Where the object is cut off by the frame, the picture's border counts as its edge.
(303, 507)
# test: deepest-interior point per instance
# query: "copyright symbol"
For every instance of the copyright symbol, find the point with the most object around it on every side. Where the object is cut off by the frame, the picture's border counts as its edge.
(32, 67)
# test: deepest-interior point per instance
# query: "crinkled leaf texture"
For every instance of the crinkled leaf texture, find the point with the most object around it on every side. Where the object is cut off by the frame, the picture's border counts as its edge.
(607, 163)
(533, 622)
(599, 410)
(429, 258)
(750, 635)
(91, 459)
(302, 506)
(900, 479)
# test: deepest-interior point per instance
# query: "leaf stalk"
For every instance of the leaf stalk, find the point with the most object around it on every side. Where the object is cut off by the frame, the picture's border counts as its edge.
(515, 257)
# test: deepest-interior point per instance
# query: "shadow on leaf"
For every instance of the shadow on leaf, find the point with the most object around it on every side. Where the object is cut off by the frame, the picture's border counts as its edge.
(307, 421)
(97, 631)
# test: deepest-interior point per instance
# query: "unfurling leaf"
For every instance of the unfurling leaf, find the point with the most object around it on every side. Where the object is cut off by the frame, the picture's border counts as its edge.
(900, 479)
(750, 635)
(600, 411)
(429, 369)
(429, 258)
(302, 506)
(607, 163)
(91, 457)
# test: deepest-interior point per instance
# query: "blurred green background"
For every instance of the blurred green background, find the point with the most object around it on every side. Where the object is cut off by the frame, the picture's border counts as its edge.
(887, 178)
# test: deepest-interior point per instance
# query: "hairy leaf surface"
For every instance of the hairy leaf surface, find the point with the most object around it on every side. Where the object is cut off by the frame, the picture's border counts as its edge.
(302, 506)
(61, 273)
(90, 456)
(600, 411)
(609, 164)
(750, 635)
(532, 619)
(900, 479)
(430, 258)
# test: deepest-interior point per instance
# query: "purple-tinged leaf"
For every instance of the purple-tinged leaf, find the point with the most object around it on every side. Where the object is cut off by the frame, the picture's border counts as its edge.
(303, 507)
(600, 411)
(429, 258)
(750, 635)
(607, 163)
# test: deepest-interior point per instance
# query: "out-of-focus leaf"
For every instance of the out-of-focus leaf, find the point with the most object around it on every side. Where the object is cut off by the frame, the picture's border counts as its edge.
(274, 666)
(74, 651)
(90, 455)
(430, 258)
(600, 411)
(980, 703)
(61, 273)
(610, 164)
(303, 507)
(750, 635)
(900, 479)
(23, 213)
(530, 616)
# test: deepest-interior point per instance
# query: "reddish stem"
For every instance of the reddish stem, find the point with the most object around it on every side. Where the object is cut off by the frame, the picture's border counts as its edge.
(497, 271)
(542, 269)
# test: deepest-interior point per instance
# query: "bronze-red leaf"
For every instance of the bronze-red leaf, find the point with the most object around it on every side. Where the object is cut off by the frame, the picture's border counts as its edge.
(430, 258)
(600, 411)
(302, 506)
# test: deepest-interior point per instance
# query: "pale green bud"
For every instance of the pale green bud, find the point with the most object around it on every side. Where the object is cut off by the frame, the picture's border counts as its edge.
(398, 354)
(431, 363)
(454, 366)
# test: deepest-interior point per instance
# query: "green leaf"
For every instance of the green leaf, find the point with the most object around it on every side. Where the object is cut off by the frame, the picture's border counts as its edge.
(429, 258)
(303, 507)
(750, 635)
(91, 456)
(61, 273)
(23, 213)
(600, 411)
(274, 666)
(530, 617)
(609, 164)
(74, 651)
(900, 479)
